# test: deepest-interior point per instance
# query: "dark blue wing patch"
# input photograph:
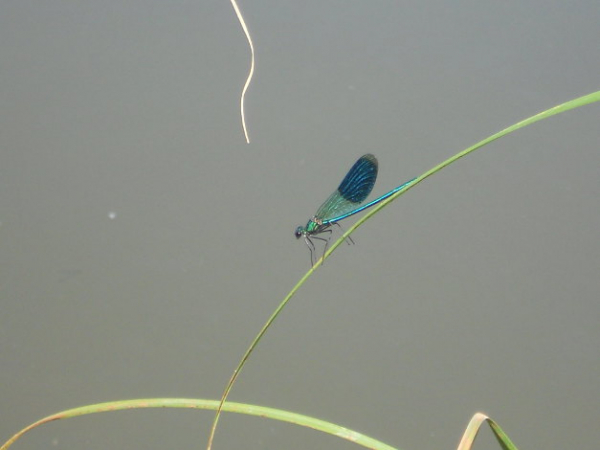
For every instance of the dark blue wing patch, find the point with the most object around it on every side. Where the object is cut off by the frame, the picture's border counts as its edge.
(359, 181)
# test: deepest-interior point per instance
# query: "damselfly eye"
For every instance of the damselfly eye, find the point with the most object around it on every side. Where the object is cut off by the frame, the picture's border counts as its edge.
(298, 232)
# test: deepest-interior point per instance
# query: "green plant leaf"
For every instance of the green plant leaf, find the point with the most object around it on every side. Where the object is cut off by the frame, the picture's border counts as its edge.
(572, 104)
(240, 408)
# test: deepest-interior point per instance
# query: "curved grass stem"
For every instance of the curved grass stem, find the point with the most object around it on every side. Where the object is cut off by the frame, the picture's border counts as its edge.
(581, 101)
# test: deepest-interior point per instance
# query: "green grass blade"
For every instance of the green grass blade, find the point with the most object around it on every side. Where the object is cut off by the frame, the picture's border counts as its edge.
(241, 364)
(241, 408)
(572, 104)
(468, 439)
(563, 107)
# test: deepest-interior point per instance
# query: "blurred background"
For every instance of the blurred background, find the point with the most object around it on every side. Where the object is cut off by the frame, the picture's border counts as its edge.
(143, 243)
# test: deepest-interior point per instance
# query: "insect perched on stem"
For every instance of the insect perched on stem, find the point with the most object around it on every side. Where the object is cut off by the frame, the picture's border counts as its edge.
(344, 202)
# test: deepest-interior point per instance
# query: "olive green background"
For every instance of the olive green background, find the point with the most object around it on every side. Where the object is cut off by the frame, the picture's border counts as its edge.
(143, 243)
